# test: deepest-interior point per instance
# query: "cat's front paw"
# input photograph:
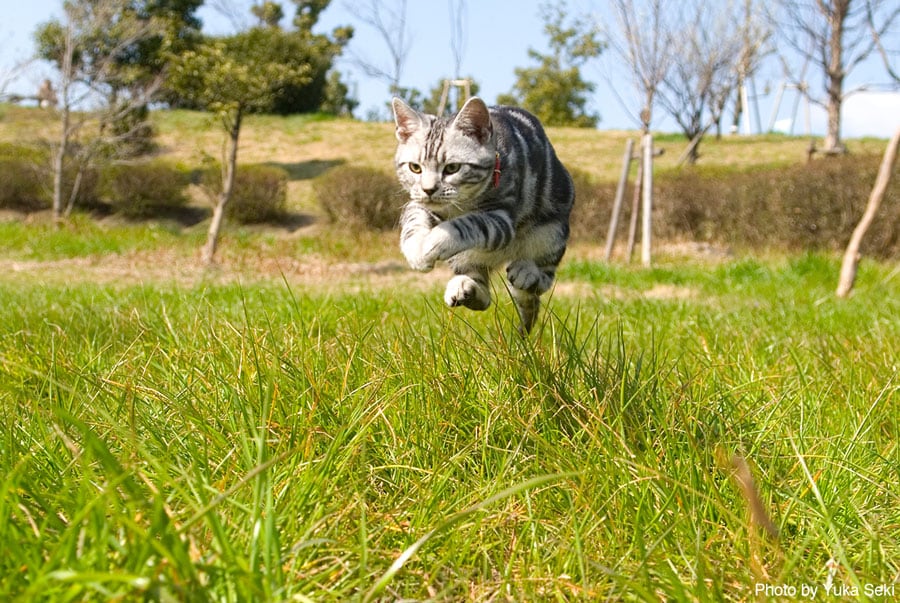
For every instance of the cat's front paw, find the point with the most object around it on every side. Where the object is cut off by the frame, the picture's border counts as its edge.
(434, 247)
(414, 252)
(465, 291)
(418, 262)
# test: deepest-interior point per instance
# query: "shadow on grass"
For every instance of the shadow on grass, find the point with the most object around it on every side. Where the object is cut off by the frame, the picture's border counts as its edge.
(307, 170)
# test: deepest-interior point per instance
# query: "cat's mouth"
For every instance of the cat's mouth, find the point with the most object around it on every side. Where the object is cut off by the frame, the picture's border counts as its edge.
(444, 207)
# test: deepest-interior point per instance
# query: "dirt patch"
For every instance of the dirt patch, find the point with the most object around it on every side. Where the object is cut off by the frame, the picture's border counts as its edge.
(170, 268)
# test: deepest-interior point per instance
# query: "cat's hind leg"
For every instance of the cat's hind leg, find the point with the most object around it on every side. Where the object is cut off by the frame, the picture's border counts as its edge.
(529, 279)
(528, 306)
(469, 288)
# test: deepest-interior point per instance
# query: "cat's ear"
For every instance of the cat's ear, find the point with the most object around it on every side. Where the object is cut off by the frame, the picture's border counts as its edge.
(408, 120)
(474, 120)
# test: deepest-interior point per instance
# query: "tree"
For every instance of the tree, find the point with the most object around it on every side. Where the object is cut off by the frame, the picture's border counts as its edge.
(555, 90)
(836, 36)
(231, 84)
(87, 48)
(268, 13)
(389, 20)
(132, 65)
(457, 34)
(299, 47)
(642, 42)
(697, 85)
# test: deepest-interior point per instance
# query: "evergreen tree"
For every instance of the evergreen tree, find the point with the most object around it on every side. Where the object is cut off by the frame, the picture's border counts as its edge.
(231, 81)
(555, 90)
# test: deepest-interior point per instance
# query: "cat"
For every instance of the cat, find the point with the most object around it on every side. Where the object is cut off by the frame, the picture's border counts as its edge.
(485, 189)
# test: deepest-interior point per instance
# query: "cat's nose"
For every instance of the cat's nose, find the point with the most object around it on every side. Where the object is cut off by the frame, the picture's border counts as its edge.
(430, 189)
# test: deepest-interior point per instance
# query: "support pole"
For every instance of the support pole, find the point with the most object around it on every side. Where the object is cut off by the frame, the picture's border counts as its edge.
(851, 256)
(620, 196)
(646, 225)
(635, 210)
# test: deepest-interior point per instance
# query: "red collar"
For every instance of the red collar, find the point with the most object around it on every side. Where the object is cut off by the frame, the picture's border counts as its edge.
(496, 170)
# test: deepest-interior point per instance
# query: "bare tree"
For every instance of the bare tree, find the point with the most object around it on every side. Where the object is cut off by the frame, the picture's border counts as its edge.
(457, 34)
(85, 47)
(888, 55)
(756, 34)
(836, 36)
(697, 85)
(645, 30)
(388, 19)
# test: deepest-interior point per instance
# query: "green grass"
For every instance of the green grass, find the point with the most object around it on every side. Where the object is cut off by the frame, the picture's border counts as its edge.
(268, 442)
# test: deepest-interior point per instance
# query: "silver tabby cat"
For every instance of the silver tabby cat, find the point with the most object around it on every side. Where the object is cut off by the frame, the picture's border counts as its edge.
(485, 189)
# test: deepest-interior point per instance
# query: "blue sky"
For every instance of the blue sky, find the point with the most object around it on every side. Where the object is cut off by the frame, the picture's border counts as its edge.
(499, 34)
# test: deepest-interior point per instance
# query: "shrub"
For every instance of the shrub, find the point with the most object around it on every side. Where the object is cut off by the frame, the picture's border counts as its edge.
(140, 190)
(20, 185)
(593, 207)
(27, 181)
(804, 206)
(360, 197)
(259, 195)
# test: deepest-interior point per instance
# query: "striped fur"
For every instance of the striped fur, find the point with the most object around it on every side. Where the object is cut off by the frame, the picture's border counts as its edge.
(460, 213)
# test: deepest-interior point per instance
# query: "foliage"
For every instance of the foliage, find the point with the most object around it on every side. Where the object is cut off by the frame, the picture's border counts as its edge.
(139, 190)
(259, 195)
(27, 180)
(21, 186)
(234, 76)
(357, 197)
(812, 206)
(137, 60)
(121, 50)
(592, 209)
(266, 442)
(299, 50)
(555, 90)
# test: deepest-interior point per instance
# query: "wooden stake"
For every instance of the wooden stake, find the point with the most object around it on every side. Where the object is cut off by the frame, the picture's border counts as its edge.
(620, 196)
(851, 256)
(648, 200)
(635, 210)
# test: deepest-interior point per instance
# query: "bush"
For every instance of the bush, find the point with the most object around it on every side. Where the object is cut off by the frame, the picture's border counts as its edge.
(259, 195)
(20, 186)
(360, 197)
(27, 182)
(593, 207)
(140, 190)
(805, 206)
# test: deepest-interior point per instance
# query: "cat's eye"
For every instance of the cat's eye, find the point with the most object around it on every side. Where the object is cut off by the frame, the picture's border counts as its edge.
(415, 168)
(452, 168)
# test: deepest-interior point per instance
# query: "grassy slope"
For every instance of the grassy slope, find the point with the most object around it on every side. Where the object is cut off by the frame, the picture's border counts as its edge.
(206, 439)
(306, 146)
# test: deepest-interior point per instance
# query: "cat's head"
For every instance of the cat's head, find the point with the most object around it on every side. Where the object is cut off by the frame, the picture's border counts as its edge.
(445, 163)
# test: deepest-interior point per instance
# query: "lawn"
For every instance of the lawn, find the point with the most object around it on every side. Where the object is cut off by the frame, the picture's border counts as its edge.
(220, 438)
(306, 421)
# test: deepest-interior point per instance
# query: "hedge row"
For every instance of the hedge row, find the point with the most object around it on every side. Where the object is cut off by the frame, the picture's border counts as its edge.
(812, 206)
(139, 189)
(804, 206)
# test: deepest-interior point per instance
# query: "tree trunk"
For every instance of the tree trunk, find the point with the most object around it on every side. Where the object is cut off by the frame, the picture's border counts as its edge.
(59, 158)
(851, 256)
(218, 217)
(58, 165)
(835, 76)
